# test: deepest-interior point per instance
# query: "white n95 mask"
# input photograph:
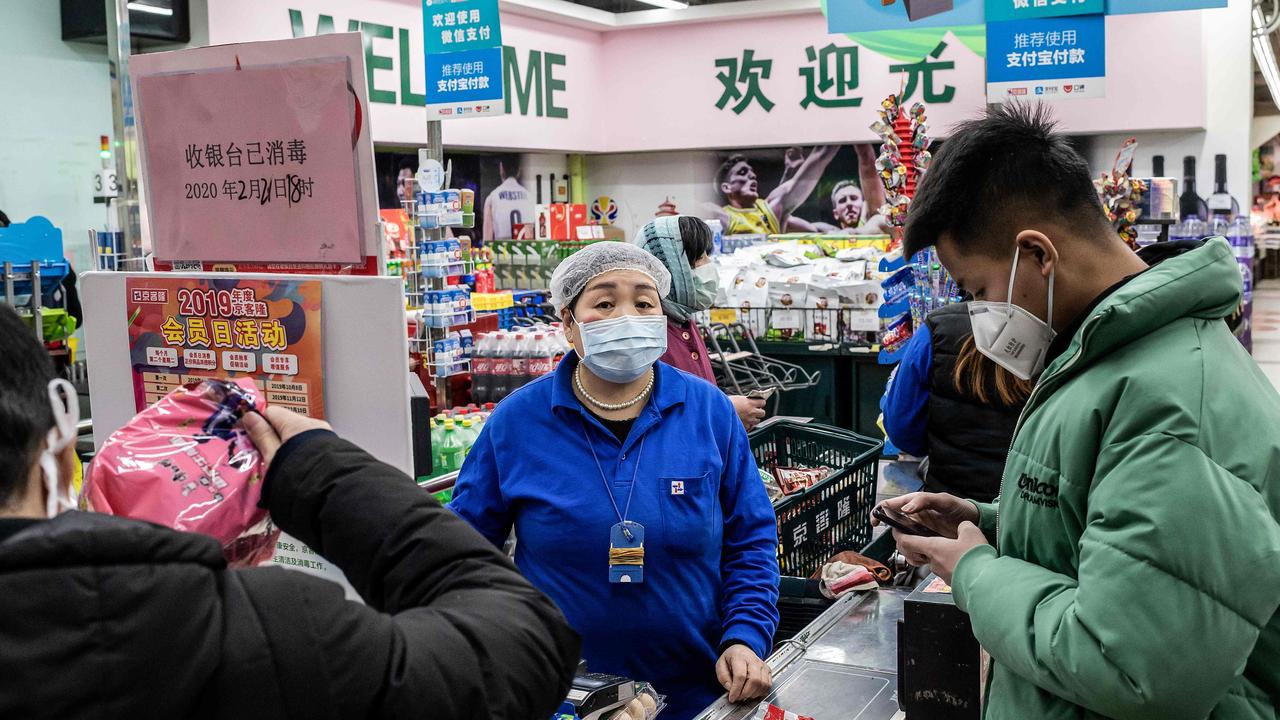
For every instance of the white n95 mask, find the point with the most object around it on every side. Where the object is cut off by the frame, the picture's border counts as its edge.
(621, 349)
(65, 404)
(1012, 337)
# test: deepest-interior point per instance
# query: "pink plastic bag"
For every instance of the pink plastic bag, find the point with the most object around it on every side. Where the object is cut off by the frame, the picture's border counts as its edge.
(185, 463)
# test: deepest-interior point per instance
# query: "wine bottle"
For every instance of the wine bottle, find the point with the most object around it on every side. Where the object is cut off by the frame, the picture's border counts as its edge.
(1220, 203)
(1189, 203)
(1157, 166)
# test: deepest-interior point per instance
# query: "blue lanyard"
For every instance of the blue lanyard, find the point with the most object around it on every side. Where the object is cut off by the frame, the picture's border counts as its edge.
(622, 515)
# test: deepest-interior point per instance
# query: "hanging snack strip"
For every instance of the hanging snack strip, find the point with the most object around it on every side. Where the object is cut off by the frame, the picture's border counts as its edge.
(1121, 195)
(903, 156)
(912, 289)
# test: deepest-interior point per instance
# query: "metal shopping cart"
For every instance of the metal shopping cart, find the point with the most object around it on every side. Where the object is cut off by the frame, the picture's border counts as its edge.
(741, 369)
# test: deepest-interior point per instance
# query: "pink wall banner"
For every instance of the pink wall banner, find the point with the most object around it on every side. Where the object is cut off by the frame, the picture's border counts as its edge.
(252, 164)
(733, 83)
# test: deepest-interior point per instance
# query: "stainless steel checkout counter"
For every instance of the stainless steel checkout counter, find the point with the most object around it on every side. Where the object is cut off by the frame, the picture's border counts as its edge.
(843, 666)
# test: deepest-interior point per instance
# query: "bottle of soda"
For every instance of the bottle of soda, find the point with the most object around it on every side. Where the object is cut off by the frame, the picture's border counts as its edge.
(449, 454)
(564, 347)
(519, 361)
(542, 361)
(467, 434)
(502, 367)
(482, 369)
(437, 440)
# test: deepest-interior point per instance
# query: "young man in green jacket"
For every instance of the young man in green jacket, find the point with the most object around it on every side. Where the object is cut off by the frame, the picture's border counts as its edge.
(1131, 566)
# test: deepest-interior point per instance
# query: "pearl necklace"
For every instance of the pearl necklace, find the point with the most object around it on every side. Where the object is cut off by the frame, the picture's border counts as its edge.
(577, 378)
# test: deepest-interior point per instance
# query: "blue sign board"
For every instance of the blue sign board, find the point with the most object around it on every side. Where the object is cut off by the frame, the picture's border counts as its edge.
(998, 10)
(1126, 7)
(456, 25)
(1061, 57)
(465, 84)
(464, 58)
(846, 16)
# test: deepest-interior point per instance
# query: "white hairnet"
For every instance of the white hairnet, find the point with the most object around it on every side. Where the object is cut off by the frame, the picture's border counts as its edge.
(576, 271)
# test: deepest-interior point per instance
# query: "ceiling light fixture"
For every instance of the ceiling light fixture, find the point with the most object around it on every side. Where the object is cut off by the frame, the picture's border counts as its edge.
(150, 9)
(1265, 56)
(668, 4)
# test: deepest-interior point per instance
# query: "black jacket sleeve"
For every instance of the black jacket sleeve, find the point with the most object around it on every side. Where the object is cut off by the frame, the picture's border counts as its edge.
(451, 630)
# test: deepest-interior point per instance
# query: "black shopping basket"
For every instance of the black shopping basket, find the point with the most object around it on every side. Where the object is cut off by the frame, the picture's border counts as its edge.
(833, 515)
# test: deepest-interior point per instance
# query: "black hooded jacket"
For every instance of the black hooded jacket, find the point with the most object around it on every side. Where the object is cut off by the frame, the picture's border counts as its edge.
(102, 617)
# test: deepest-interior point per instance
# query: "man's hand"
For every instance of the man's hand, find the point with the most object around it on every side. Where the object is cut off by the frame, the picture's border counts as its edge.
(750, 410)
(792, 161)
(743, 675)
(940, 554)
(274, 427)
(939, 512)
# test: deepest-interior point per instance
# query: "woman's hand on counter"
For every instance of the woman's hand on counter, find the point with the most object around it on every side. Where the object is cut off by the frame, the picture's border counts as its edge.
(940, 512)
(743, 675)
(274, 427)
(939, 553)
(750, 410)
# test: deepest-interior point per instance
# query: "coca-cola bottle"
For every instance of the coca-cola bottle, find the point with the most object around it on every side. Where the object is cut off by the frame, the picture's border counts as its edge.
(502, 366)
(522, 352)
(482, 369)
(542, 360)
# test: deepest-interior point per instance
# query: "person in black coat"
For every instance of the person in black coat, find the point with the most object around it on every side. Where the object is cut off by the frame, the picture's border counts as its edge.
(104, 617)
(947, 401)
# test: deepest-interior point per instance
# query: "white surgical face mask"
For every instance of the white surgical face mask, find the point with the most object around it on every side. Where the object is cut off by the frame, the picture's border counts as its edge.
(1012, 337)
(66, 413)
(621, 349)
(706, 283)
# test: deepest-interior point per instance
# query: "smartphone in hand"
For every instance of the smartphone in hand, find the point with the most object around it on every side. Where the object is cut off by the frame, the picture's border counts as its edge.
(901, 522)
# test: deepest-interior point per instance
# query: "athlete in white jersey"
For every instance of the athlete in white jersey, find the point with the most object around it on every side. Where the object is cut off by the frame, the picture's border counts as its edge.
(509, 204)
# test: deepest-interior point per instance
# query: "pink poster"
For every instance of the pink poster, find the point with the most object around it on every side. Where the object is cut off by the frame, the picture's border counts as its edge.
(254, 164)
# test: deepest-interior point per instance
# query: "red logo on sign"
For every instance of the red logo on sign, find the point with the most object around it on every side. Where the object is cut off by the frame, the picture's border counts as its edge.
(1066, 88)
(147, 296)
(446, 111)
(1018, 91)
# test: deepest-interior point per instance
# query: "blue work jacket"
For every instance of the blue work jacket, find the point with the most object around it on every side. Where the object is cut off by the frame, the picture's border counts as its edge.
(710, 568)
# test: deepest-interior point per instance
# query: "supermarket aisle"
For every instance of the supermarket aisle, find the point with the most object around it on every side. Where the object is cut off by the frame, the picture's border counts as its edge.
(1266, 329)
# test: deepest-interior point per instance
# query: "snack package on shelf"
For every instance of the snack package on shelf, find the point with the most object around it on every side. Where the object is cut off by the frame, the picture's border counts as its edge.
(895, 332)
(787, 301)
(824, 316)
(794, 289)
(185, 463)
(750, 296)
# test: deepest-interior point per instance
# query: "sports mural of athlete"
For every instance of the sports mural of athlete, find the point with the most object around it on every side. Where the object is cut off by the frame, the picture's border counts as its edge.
(745, 212)
(856, 212)
(508, 205)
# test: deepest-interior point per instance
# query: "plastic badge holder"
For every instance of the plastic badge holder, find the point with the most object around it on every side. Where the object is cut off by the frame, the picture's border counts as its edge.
(185, 463)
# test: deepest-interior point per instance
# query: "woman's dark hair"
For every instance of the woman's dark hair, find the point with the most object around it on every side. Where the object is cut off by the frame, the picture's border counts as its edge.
(25, 415)
(696, 236)
(978, 375)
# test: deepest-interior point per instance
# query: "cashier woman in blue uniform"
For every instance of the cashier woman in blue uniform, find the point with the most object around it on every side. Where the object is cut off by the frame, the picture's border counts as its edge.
(634, 495)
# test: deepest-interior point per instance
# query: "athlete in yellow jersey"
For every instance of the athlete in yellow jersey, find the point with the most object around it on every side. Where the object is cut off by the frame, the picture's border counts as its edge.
(745, 211)
(756, 220)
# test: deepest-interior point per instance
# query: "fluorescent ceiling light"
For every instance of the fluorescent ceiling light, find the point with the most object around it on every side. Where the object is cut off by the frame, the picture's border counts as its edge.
(152, 9)
(1265, 56)
(668, 4)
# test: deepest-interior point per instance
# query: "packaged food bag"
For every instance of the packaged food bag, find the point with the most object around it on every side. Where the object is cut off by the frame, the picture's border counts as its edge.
(185, 463)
